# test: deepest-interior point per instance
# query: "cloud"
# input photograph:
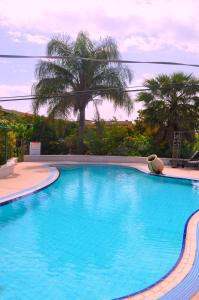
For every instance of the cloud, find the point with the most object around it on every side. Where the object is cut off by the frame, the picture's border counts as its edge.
(36, 38)
(146, 25)
(144, 43)
(142, 28)
(17, 37)
(8, 90)
(34, 13)
(166, 35)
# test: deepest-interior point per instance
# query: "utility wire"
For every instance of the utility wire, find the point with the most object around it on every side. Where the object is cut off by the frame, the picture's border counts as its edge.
(76, 92)
(98, 60)
(73, 93)
(59, 96)
(19, 99)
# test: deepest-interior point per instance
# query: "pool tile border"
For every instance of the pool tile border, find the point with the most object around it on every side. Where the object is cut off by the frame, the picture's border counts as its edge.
(54, 175)
(185, 261)
(189, 286)
(181, 269)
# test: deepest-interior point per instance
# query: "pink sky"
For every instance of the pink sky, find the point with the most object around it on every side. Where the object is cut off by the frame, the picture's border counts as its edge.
(144, 29)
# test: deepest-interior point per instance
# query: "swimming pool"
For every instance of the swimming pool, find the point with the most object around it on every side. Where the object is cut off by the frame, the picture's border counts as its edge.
(99, 232)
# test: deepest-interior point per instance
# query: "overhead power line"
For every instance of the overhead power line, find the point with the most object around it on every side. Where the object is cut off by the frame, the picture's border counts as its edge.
(136, 88)
(76, 92)
(23, 98)
(19, 99)
(72, 57)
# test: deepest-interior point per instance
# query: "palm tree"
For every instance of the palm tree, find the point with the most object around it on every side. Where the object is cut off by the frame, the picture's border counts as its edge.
(171, 104)
(60, 82)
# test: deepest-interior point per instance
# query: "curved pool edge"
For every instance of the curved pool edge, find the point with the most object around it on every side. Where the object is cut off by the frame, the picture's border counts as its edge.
(183, 265)
(185, 261)
(54, 175)
(180, 270)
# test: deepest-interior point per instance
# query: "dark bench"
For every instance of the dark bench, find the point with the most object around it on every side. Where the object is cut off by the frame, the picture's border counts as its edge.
(192, 162)
(178, 162)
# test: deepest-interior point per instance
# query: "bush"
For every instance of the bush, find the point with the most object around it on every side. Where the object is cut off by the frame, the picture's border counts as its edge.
(11, 145)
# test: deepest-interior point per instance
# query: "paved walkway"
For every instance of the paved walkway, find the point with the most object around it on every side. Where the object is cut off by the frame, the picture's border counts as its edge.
(168, 171)
(28, 177)
(173, 172)
(187, 287)
(195, 297)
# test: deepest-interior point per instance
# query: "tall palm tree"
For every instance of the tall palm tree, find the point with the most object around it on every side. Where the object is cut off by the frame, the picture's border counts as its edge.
(56, 79)
(171, 104)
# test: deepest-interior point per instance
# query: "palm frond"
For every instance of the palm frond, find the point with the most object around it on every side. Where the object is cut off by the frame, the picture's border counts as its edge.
(61, 107)
(60, 45)
(74, 74)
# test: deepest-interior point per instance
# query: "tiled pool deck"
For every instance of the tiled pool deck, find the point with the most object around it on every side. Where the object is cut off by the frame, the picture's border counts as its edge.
(182, 283)
(28, 178)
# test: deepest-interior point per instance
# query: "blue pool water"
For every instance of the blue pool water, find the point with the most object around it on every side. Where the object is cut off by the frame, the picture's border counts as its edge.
(97, 233)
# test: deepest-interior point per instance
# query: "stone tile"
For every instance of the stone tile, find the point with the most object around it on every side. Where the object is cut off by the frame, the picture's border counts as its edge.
(196, 296)
(26, 176)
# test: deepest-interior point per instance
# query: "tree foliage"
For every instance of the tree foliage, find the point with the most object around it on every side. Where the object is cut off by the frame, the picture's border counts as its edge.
(171, 104)
(59, 82)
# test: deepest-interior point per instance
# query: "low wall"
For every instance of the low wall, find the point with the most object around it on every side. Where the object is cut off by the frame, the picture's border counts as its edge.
(88, 159)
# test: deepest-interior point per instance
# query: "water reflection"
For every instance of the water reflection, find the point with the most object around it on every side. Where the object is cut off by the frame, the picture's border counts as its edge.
(96, 233)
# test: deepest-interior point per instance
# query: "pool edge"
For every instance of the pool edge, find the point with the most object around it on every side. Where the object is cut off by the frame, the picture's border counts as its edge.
(188, 250)
(184, 263)
(54, 175)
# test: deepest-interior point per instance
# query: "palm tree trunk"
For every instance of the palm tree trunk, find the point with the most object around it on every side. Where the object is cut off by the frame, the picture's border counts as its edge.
(81, 129)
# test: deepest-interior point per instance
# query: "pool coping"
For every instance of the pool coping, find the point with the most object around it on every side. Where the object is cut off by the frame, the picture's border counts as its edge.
(185, 261)
(179, 271)
(54, 175)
